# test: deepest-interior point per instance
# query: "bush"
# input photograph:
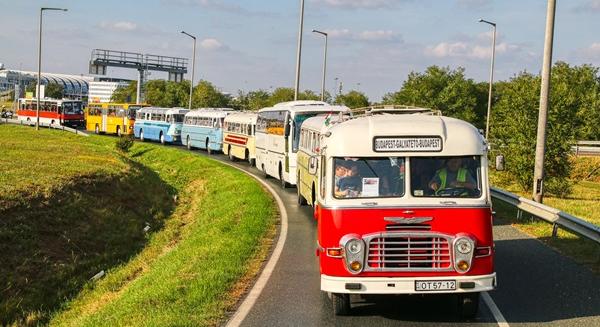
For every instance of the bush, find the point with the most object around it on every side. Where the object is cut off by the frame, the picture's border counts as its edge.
(124, 143)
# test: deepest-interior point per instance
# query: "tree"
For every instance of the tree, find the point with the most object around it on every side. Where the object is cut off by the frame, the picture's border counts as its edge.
(443, 89)
(257, 99)
(353, 99)
(55, 91)
(514, 125)
(126, 94)
(167, 94)
(205, 95)
(281, 94)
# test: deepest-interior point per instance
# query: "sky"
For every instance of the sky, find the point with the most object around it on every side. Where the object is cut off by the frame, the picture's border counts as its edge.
(249, 45)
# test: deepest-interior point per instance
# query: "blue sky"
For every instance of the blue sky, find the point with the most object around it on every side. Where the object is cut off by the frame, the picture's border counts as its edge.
(251, 44)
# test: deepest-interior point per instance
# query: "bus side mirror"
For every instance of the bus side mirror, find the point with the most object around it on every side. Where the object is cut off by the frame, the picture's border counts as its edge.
(500, 163)
(312, 165)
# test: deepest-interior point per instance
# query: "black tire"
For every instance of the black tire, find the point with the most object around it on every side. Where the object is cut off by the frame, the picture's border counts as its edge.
(314, 196)
(341, 304)
(281, 180)
(188, 143)
(142, 135)
(468, 305)
(265, 175)
(161, 137)
(301, 199)
(52, 122)
(231, 157)
(208, 150)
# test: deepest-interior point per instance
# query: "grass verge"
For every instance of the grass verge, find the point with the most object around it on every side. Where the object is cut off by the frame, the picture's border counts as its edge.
(191, 270)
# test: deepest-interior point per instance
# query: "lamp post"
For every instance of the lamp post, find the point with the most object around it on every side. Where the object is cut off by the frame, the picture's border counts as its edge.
(489, 108)
(193, 68)
(37, 109)
(299, 51)
(324, 64)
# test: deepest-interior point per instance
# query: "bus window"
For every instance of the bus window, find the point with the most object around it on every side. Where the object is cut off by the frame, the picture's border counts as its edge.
(177, 118)
(378, 177)
(297, 123)
(446, 176)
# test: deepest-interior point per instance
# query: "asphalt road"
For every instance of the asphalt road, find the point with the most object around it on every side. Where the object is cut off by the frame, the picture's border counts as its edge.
(537, 286)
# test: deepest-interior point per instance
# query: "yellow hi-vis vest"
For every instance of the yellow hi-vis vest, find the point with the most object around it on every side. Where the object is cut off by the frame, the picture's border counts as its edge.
(461, 176)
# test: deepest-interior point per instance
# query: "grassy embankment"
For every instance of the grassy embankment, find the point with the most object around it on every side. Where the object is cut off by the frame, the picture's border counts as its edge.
(584, 203)
(72, 206)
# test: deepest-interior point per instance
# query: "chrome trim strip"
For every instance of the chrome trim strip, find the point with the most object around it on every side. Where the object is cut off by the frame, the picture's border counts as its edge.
(408, 220)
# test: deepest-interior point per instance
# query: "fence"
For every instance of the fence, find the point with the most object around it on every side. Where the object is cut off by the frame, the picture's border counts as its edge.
(554, 216)
(586, 148)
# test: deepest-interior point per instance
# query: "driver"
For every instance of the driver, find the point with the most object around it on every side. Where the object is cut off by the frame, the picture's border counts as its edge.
(453, 175)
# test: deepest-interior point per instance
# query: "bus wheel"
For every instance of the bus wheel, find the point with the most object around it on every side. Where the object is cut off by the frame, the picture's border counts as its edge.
(314, 196)
(208, 150)
(142, 135)
(188, 142)
(119, 131)
(265, 175)
(231, 157)
(52, 122)
(281, 180)
(468, 305)
(341, 304)
(161, 137)
(301, 199)
(97, 129)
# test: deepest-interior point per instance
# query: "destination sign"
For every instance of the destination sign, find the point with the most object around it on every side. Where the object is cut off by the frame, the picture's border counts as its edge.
(407, 144)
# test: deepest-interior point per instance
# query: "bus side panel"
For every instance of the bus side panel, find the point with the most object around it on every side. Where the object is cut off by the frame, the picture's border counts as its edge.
(333, 224)
(216, 139)
(260, 150)
(306, 180)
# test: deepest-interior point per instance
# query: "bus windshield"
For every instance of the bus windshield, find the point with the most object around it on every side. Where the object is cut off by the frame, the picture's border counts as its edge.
(177, 118)
(67, 108)
(299, 118)
(372, 177)
(446, 176)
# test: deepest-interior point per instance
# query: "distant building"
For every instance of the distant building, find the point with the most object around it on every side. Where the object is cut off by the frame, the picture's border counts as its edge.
(103, 91)
(75, 86)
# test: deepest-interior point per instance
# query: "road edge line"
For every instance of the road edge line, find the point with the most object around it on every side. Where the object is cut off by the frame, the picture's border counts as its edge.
(243, 310)
(487, 299)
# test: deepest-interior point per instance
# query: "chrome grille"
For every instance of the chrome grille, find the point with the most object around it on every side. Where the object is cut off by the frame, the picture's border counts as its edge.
(408, 252)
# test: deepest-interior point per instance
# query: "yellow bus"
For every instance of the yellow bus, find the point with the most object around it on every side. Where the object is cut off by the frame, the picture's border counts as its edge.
(238, 136)
(111, 118)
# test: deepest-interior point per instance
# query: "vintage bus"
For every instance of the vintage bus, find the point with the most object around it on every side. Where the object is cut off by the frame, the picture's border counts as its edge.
(203, 128)
(238, 136)
(403, 207)
(53, 112)
(111, 118)
(159, 124)
(278, 135)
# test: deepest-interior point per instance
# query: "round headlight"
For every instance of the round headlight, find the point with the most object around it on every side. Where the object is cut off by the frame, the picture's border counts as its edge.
(354, 246)
(464, 246)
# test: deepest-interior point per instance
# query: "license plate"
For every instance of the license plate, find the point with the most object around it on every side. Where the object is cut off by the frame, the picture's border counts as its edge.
(435, 285)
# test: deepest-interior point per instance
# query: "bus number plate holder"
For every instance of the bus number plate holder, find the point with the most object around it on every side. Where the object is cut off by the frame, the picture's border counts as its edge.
(435, 285)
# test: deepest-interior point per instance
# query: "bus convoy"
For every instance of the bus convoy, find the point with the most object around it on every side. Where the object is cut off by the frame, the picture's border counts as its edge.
(401, 198)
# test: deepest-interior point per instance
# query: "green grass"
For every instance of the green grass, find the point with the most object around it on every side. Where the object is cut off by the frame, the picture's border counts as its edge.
(72, 206)
(584, 203)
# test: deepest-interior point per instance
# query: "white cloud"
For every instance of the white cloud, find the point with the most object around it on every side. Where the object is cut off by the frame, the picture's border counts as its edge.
(590, 5)
(381, 36)
(378, 36)
(211, 44)
(123, 26)
(354, 4)
(468, 50)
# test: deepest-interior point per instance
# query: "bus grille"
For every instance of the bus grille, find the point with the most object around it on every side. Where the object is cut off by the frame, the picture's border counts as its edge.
(408, 252)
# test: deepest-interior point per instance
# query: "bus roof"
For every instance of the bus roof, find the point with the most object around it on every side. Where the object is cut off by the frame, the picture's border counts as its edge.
(321, 123)
(166, 111)
(242, 117)
(306, 106)
(210, 112)
(356, 137)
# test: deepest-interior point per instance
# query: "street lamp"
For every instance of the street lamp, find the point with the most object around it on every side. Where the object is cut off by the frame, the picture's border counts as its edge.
(299, 51)
(37, 109)
(324, 64)
(489, 108)
(193, 67)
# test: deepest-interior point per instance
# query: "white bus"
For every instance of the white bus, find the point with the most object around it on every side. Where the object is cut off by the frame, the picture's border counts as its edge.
(278, 135)
(238, 136)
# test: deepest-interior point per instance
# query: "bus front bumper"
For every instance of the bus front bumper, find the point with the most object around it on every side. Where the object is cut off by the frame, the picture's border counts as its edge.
(406, 285)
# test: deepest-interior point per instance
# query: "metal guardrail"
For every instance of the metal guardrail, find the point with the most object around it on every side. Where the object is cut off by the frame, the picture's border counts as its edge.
(586, 148)
(554, 216)
(53, 126)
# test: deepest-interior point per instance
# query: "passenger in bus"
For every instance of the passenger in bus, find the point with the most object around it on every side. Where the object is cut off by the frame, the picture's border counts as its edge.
(340, 172)
(452, 175)
(351, 185)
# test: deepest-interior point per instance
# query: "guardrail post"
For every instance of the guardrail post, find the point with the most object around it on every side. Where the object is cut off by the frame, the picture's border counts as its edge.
(519, 214)
(554, 230)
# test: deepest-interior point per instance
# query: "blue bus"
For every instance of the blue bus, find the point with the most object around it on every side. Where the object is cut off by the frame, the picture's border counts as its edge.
(203, 128)
(159, 124)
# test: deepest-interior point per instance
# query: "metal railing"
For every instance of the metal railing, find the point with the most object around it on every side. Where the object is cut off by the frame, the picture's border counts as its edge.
(586, 148)
(554, 216)
(53, 126)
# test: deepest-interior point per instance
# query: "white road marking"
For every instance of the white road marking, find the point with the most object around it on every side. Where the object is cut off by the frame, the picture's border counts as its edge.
(487, 299)
(260, 284)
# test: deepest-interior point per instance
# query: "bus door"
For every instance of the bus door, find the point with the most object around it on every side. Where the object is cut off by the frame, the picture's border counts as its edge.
(104, 119)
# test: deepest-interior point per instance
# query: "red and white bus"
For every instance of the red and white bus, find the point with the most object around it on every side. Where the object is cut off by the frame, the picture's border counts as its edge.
(53, 111)
(403, 207)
